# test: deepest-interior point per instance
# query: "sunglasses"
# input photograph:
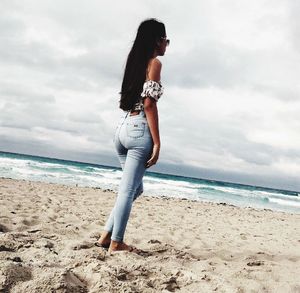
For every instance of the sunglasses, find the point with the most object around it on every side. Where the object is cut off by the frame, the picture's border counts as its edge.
(167, 40)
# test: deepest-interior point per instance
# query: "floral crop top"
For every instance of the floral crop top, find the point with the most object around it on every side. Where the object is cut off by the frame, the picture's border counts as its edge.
(152, 89)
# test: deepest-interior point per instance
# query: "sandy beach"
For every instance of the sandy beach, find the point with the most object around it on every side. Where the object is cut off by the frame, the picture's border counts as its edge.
(48, 234)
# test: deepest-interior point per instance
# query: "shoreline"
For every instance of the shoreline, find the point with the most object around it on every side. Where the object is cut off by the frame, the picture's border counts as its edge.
(104, 190)
(48, 231)
(171, 174)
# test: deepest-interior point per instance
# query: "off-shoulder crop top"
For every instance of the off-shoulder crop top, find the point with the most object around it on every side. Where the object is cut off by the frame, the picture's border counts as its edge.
(152, 89)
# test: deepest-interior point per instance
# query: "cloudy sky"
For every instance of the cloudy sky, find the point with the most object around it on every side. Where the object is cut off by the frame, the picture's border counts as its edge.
(230, 109)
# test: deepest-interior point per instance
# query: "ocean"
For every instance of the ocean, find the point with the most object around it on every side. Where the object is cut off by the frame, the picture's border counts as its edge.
(35, 168)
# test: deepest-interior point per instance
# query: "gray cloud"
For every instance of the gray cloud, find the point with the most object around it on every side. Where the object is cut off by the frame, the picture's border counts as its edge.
(294, 24)
(230, 80)
(208, 64)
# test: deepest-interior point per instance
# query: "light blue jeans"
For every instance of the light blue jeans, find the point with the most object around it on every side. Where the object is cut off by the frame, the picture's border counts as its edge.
(134, 144)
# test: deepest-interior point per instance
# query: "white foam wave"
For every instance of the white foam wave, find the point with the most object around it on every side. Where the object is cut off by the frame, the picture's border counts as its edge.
(85, 175)
(171, 182)
(285, 202)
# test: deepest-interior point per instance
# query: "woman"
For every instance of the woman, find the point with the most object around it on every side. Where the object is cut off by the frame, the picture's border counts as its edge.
(137, 138)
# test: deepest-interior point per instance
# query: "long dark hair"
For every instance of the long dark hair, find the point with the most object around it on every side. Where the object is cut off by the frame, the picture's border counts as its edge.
(148, 34)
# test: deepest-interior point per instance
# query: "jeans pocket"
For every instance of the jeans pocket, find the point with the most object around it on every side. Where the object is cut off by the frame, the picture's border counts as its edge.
(135, 129)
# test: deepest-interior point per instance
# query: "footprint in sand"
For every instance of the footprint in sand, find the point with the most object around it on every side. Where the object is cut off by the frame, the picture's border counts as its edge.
(14, 273)
(70, 282)
(3, 229)
(159, 249)
(83, 245)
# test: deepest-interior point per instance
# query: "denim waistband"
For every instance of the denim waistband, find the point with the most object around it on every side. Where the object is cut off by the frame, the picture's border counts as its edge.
(126, 115)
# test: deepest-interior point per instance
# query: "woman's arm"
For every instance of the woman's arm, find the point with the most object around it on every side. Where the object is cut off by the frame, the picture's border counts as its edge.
(151, 112)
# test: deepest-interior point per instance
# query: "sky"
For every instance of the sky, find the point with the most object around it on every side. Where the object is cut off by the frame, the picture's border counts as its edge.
(231, 102)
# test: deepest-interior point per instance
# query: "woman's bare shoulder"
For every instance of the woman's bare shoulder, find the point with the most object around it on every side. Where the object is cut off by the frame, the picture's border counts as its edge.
(155, 62)
(154, 69)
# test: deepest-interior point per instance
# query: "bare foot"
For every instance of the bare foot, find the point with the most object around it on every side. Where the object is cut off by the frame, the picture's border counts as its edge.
(104, 240)
(121, 246)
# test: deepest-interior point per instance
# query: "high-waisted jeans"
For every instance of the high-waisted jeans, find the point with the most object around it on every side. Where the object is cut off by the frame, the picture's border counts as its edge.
(134, 144)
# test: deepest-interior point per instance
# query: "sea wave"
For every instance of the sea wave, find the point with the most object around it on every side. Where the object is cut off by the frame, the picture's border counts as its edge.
(84, 174)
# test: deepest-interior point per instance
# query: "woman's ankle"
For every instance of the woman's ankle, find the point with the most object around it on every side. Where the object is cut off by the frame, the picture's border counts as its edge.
(116, 244)
(105, 236)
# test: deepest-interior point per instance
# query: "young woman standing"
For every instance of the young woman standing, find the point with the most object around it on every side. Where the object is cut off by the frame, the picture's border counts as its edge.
(136, 139)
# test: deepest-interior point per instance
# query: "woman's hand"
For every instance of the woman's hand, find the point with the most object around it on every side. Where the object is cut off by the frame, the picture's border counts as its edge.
(154, 156)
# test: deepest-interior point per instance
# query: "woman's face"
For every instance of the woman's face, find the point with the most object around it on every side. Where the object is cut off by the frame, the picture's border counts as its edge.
(164, 42)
